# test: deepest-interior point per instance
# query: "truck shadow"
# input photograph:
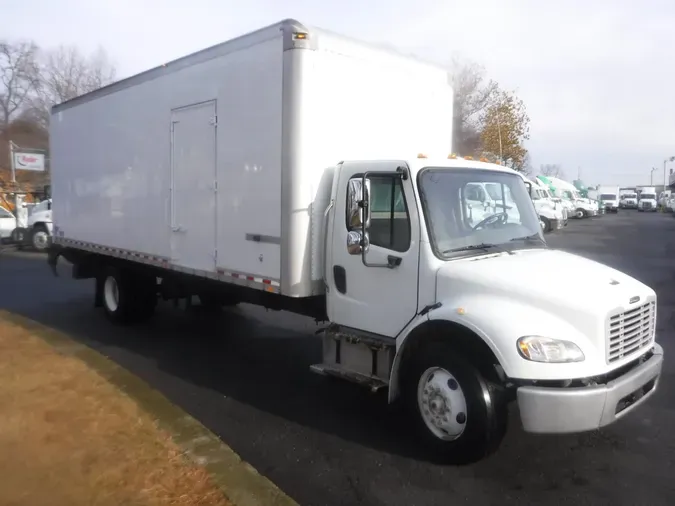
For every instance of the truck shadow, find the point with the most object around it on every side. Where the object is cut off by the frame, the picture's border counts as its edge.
(244, 359)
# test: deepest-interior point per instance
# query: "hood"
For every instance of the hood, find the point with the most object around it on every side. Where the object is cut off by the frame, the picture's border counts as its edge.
(581, 281)
(572, 288)
(40, 216)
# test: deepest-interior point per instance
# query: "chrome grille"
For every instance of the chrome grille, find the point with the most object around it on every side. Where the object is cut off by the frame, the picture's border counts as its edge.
(630, 331)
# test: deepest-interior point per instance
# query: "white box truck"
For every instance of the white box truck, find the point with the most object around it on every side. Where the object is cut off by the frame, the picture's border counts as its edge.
(609, 198)
(226, 176)
(647, 199)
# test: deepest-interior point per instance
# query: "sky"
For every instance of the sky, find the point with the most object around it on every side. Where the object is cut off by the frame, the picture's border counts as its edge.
(598, 78)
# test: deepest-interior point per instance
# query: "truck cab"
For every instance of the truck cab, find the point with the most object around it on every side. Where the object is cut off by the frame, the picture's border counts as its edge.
(609, 197)
(628, 200)
(647, 200)
(39, 225)
(474, 319)
(551, 213)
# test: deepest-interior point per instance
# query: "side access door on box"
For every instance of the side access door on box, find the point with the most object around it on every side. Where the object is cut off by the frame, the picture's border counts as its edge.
(193, 186)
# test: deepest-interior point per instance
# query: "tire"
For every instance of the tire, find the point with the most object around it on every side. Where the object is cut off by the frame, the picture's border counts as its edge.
(127, 297)
(440, 378)
(40, 239)
(547, 224)
(580, 213)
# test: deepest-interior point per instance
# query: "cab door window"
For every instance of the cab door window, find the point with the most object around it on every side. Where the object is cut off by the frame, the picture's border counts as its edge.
(389, 216)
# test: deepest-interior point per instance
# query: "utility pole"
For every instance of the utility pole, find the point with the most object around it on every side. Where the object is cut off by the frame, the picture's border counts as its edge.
(11, 161)
(651, 176)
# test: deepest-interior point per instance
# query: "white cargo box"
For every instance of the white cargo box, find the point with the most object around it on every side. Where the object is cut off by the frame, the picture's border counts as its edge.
(212, 164)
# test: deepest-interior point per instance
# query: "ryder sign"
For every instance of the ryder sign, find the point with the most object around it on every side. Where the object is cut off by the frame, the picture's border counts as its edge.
(29, 161)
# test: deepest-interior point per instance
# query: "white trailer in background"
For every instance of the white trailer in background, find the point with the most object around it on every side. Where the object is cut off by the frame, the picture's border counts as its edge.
(226, 175)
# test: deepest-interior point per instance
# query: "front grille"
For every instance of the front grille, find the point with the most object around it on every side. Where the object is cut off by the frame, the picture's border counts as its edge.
(647, 205)
(630, 331)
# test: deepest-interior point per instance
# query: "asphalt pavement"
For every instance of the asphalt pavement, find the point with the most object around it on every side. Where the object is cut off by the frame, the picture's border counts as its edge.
(244, 374)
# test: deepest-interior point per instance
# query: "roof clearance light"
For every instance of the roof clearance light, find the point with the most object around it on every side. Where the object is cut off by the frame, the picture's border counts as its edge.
(299, 36)
(468, 157)
(483, 159)
(421, 155)
(452, 156)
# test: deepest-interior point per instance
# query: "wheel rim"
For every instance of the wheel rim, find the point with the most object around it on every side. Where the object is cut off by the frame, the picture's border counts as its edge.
(111, 294)
(580, 214)
(40, 239)
(442, 404)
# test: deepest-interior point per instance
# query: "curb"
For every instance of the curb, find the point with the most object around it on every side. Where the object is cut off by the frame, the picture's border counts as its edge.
(237, 479)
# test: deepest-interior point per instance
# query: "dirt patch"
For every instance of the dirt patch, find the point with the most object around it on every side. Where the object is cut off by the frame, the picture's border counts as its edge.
(68, 437)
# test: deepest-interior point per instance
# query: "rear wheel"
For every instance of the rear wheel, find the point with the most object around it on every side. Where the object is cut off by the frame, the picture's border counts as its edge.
(127, 297)
(458, 414)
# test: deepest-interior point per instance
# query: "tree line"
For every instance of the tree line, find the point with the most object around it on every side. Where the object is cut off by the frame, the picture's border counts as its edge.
(32, 80)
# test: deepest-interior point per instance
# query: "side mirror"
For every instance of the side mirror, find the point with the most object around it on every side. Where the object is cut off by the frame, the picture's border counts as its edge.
(358, 208)
(357, 243)
(354, 211)
(529, 187)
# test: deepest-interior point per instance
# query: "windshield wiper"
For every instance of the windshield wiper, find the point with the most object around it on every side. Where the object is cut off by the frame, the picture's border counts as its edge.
(534, 237)
(483, 246)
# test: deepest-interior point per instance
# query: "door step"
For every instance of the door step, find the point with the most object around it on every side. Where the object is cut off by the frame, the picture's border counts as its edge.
(371, 382)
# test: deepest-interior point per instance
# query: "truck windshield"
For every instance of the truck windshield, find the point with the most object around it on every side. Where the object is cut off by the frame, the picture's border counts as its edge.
(607, 196)
(630, 195)
(649, 196)
(471, 209)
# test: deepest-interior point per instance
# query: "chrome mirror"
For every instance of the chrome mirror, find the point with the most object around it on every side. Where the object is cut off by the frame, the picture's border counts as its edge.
(356, 242)
(354, 198)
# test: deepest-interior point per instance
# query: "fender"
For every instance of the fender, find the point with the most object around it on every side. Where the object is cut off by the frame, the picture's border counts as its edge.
(498, 322)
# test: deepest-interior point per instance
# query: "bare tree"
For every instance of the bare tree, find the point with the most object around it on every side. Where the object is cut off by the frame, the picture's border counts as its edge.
(472, 96)
(18, 78)
(66, 73)
(552, 169)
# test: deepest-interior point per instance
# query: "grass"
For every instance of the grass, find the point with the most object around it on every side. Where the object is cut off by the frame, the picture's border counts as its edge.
(68, 437)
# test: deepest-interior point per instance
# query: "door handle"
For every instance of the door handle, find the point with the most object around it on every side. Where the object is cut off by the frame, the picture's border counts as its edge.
(393, 261)
(177, 229)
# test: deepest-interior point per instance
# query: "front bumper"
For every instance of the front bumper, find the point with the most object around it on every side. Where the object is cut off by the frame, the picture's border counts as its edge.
(547, 410)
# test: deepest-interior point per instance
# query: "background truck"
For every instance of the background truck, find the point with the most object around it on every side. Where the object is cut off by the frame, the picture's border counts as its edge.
(647, 199)
(609, 197)
(226, 176)
(627, 198)
(551, 213)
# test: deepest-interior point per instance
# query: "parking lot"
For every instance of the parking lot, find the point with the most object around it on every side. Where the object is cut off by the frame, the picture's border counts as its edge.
(244, 374)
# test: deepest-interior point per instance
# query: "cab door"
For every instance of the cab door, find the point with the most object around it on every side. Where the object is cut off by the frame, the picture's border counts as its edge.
(375, 292)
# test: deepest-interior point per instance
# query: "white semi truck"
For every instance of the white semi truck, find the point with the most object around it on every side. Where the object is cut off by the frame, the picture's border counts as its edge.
(226, 175)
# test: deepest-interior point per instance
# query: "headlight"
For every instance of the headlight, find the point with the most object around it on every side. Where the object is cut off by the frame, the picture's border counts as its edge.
(546, 349)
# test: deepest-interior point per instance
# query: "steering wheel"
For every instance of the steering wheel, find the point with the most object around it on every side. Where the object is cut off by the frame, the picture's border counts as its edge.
(493, 219)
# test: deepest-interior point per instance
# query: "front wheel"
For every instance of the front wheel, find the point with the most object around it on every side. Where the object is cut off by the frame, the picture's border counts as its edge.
(580, 213)
(547, 224)
(40, 238)
(459, 416)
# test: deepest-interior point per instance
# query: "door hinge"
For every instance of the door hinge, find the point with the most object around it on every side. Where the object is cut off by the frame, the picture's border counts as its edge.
(214, 121)
(215, 186)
